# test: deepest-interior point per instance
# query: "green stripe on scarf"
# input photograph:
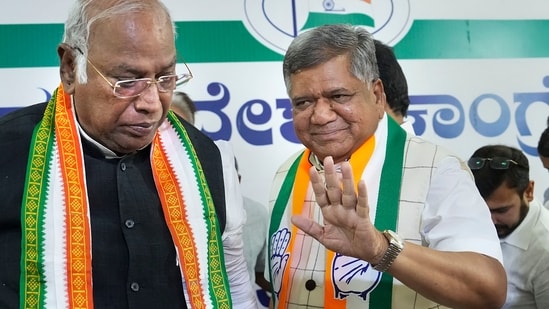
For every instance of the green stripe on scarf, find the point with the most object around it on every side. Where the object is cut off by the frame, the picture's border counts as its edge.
(32, 289)
(388, 201)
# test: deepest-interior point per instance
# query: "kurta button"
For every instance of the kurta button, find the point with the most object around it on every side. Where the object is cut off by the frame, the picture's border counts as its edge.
(129, 223)
(123, 166)
(134, 286)
(310, 285)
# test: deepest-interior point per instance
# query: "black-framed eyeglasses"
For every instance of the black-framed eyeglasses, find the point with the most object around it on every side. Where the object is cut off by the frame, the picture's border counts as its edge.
(130, 88)
(496, 163)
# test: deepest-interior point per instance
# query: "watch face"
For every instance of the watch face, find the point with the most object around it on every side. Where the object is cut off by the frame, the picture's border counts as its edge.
(394, 238)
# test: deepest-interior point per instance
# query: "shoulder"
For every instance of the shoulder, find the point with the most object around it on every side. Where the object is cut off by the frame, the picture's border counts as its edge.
(533, 233)
(212, 165)
(21, 121)
(16, 128)
(34, 111)
(284, 168)
(207, 151)
(197, 137)
(543, 220)
(286, 165)
(281, 174)
(419, 149)
(416, 144)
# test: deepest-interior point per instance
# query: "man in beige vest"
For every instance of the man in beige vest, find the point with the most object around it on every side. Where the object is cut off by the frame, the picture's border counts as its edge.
(420, 233)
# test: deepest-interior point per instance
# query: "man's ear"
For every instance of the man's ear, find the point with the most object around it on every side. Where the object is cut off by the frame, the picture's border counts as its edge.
(381, 99)
(529, 191)
(67, 67)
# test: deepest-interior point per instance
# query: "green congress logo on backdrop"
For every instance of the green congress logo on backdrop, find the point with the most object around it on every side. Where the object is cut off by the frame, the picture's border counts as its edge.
(275, 23)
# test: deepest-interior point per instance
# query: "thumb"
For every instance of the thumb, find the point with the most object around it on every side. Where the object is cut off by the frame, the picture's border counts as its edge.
(308, 226)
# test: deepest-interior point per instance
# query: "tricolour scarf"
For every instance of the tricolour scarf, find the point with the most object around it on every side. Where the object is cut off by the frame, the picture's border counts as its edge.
(389, 142)
(56, 253)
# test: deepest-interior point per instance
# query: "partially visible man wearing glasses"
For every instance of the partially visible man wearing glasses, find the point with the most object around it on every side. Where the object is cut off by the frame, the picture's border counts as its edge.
(522, 223)
(108, 200)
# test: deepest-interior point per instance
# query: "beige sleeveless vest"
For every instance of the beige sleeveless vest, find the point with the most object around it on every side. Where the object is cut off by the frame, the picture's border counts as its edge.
(420, 163)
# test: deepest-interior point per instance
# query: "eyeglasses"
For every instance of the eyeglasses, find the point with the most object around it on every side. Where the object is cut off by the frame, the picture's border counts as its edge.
(130, 88)
(496, 163)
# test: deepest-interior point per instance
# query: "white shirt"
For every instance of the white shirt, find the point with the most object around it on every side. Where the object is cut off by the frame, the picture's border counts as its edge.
(255, 243)
(242, 293)
(255, 231)
(526, 260)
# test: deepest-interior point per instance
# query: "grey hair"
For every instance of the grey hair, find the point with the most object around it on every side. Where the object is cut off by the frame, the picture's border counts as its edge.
(85, 13)
(321, 44)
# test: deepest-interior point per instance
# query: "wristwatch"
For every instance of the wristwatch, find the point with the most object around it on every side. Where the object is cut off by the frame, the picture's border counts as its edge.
(396, 244)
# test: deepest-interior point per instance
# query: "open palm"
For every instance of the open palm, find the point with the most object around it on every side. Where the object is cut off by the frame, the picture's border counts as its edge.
(347, 226)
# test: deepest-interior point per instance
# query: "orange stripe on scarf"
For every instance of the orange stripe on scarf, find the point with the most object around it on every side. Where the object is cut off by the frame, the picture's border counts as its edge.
(176, 214)
(358, 162)
(301, 184)
(79, 276)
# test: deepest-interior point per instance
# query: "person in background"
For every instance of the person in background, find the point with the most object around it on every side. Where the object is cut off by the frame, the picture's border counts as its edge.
(543, 152)
(502, 177)
(108, 199)
(184, 106)
(394, 85)
(255, 244)
(416, 232)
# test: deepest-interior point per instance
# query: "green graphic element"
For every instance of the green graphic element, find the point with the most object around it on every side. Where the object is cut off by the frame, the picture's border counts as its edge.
(220, 41)
(35, 45)
(29, 45)
(475, 39)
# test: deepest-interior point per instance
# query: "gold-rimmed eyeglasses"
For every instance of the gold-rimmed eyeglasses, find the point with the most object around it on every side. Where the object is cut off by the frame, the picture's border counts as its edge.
(129, 88)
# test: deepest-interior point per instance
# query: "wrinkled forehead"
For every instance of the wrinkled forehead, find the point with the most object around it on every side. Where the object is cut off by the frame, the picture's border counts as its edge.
(136, 30)
(100, 11)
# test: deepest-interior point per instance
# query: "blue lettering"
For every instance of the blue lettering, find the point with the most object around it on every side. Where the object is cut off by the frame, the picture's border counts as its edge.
(246, 114)
(287, 128)
(216, 106)
(490, 129)
(448, 120)
(448, 117)
(524, 101)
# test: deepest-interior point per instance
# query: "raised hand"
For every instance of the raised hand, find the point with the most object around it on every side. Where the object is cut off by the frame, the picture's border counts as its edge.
(347, 226)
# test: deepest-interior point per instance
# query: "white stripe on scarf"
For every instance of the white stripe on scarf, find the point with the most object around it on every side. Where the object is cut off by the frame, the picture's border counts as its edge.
(189, 189)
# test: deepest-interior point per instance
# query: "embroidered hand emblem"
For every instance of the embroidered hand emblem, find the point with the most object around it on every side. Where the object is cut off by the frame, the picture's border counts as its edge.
(279, 257)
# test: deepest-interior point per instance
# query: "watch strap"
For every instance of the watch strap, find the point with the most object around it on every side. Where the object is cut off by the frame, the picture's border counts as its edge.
(395, 247)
